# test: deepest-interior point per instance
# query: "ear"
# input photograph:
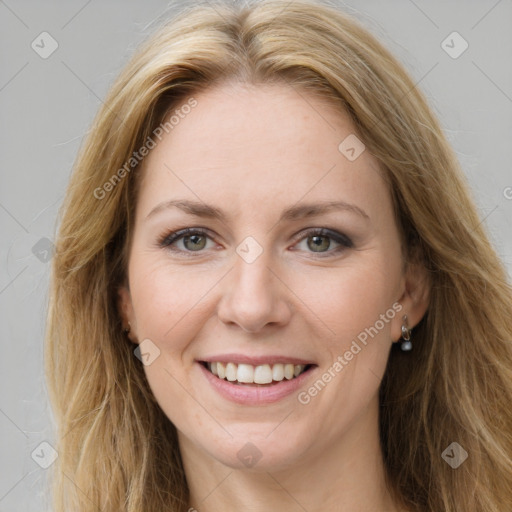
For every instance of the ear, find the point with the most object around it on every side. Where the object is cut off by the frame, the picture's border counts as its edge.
(125, 308)
(414, 299)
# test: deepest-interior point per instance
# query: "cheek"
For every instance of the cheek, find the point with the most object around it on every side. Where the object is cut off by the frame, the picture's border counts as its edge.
(165, 300)
(168, 308)
(172, 302)
(350, 299)
(356, 303)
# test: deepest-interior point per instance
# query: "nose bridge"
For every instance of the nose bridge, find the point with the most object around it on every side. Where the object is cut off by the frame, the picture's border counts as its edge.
(254, 297)
(254, 272)
(252, 275)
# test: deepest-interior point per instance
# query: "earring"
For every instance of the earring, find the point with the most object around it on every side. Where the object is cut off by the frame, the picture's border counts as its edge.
(127, 330)
(406, 345)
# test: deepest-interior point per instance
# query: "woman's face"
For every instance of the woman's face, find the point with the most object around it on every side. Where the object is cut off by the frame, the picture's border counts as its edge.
(274, 283)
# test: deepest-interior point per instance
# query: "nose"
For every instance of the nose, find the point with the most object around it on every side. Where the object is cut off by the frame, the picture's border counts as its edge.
(254, 296)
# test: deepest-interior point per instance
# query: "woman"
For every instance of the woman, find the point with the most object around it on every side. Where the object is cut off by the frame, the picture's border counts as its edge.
(271, 289)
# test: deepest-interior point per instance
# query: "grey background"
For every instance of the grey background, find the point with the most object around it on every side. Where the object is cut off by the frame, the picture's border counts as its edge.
(48, 104)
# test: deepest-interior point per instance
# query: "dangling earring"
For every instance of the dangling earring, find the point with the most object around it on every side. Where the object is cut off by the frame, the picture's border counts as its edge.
(406, 345)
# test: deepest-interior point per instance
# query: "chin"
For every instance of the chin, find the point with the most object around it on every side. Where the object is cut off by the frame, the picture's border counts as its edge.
(260, 451)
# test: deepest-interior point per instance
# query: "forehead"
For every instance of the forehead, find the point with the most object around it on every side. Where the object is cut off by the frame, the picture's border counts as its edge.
(251, 147)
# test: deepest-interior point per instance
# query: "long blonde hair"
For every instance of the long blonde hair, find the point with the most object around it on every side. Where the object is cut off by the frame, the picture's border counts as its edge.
(117, 449)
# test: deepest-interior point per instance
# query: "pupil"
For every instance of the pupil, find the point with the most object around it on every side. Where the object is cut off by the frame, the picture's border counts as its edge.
(317, 242)
(194, 239)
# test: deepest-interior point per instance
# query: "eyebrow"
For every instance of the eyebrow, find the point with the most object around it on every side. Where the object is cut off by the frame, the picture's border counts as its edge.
(298, 212)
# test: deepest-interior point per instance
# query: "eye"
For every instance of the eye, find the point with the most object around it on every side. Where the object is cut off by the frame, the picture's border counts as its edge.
(194, 240)
(320, 240)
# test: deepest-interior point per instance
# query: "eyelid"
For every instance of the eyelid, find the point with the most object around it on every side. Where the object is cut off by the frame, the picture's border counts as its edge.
(170, 237)
(340, 238)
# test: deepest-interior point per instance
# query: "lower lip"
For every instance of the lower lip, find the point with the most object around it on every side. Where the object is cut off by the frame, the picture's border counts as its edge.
(255, 395)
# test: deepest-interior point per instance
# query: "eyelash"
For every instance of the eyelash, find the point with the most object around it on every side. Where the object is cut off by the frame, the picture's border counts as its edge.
(168, 239)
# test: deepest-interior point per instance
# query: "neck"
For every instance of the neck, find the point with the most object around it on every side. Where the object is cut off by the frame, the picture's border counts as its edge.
(349, 476)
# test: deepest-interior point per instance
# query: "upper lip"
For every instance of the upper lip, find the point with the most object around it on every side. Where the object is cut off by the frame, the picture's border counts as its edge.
(254, 360)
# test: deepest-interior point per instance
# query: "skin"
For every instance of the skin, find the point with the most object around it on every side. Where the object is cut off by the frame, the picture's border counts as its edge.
(253, 152)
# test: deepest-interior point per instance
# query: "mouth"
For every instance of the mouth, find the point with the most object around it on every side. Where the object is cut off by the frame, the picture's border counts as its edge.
(263, 375)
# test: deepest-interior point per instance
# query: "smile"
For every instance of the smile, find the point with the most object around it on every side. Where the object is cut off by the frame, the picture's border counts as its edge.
(264, 374)
(255, 381)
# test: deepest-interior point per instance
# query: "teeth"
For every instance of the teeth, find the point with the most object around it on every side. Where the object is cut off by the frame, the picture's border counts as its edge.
(245, 373)
(263, 374)
(297, 370)
(249, 374)
(231, 372)
(278, 372)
